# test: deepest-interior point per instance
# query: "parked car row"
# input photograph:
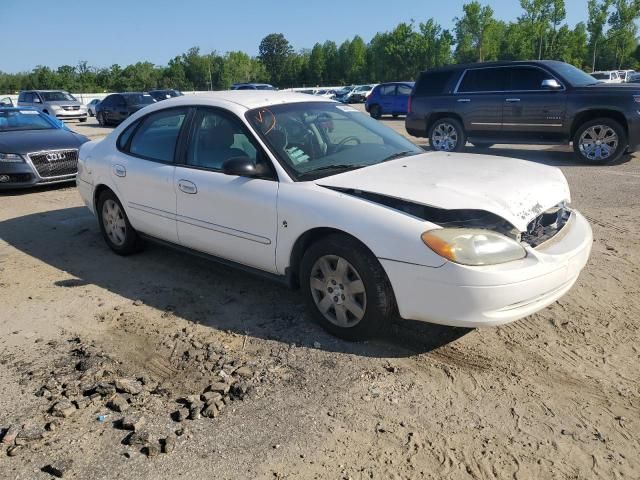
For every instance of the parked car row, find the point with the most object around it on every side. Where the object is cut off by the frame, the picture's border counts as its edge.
(613, 76)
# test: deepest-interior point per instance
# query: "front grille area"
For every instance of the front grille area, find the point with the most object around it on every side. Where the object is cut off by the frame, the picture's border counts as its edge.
(71, 107)
(55, 163)
(546, 225)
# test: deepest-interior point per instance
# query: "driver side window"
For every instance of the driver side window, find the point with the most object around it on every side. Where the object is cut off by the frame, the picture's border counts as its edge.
(216, 138)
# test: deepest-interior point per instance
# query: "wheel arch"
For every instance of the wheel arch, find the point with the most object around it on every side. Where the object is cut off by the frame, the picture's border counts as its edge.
(98, 191)
(588, 115)
(304, 241)
(434, 117)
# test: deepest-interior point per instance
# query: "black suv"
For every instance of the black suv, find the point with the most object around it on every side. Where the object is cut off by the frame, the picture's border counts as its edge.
(533, 102)
(118, 106)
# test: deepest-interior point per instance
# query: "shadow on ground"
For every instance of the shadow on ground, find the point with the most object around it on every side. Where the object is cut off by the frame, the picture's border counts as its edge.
(198, 291)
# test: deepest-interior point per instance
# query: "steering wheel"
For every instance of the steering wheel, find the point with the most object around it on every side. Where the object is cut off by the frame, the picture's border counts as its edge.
(346, 140)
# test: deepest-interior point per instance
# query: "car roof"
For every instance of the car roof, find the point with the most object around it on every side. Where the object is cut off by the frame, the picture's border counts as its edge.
(503, 63)
(243, 99)
(39, 90)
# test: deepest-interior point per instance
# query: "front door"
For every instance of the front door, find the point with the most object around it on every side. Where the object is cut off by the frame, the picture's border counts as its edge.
(227, 216)
(143, 172)
(531, 111)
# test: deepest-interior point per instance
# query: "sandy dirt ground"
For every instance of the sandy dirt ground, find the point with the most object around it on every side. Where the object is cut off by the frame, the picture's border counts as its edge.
(555, 395)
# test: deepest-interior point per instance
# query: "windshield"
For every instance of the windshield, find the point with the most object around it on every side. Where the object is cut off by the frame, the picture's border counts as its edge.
(139, 99)
(264, 87)
(57, 97)
(317, 139)
(573, 75)
(17, 120)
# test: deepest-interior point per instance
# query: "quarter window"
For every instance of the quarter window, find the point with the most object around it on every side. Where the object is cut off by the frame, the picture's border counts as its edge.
(404, 90)
(432, 83)
(217, 138)
(484, 80)
(157, 136)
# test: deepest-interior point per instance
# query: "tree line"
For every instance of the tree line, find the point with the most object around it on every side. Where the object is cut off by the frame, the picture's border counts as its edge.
(606, 41)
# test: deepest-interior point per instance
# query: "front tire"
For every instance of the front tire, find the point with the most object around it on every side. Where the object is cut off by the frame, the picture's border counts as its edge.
(114, 224)
(600, 141)
(346, 288)
(375, 112)
(101, 120)
(447, 135)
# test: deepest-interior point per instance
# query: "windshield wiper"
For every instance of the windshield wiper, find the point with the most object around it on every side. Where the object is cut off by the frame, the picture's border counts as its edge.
(405, 153)
(331, 167)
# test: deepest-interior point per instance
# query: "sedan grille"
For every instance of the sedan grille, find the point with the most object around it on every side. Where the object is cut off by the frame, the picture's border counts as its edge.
(55, 163)
(71, 107)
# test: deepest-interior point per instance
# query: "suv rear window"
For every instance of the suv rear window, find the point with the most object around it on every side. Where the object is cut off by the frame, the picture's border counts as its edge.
(432, 83)
(484, 80)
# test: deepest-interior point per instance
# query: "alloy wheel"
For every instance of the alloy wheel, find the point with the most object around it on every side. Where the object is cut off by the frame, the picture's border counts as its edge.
(444, 137)
(338, 291)
(114, 223)
(598, 142)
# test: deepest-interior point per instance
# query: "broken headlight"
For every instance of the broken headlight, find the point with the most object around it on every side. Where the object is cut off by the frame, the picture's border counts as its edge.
(471, 246)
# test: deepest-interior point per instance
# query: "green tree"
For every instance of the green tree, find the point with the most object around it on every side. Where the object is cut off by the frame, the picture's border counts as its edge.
(598, 14)
(317, 64)
(473, 32)
(274, 53)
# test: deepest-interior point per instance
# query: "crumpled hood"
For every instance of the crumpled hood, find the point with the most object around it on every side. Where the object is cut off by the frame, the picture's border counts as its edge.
(516, 190)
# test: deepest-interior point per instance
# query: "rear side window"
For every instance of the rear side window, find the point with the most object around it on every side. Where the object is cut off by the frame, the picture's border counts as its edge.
(484, 80)
(157, 136)
(527, 78)
(124, 137)
(404, 90)
(388, 90)
(432, 83)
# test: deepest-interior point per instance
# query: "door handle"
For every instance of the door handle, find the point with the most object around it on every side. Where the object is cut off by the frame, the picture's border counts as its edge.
(187, 187)
(464, 100)
(119, 171)
(512, 100)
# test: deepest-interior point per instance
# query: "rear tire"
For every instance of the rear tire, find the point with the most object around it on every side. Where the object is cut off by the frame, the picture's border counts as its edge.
(120, 236)
(447, 135)
(101, 121)
(375, 112)
(346, 288)
(600, 141)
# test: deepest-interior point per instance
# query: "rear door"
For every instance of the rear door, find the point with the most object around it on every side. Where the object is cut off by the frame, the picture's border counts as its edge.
(143, 172)
(106, 107)
(387, 97)
(402, 99)
(531, 111)
(479, 96)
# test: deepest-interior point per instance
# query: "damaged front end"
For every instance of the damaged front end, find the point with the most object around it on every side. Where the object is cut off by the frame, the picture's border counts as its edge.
(541, 229)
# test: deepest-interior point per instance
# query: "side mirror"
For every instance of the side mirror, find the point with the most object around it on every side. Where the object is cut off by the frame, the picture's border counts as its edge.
(242, 167)
(550, 84)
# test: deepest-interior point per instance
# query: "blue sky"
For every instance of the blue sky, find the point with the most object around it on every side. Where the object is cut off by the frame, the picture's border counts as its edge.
(53, 33)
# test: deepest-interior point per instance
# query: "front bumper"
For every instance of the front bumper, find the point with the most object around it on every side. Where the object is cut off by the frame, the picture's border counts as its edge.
(25, 175)
(463, 296)
(70, 114)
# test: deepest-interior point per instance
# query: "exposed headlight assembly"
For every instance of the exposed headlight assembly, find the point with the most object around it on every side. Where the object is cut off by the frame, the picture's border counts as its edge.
(471, 246)
(11, 158)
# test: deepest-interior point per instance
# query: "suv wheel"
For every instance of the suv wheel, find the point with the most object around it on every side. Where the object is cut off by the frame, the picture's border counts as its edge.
(600, 141)
(115, 226)
(447, 135)
(101, 120)
(346, 288)
(375, 112)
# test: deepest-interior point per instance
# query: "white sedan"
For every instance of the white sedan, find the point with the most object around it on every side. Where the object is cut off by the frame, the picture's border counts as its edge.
(317, 194)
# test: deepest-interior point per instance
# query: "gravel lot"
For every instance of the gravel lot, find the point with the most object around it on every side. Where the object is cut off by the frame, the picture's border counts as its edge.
(555, 395)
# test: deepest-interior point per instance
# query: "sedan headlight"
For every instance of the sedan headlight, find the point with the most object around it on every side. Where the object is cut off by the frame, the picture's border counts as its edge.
(56, 107)
(470, 246)
(11, 158)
